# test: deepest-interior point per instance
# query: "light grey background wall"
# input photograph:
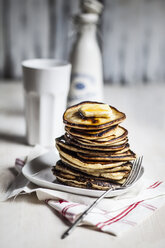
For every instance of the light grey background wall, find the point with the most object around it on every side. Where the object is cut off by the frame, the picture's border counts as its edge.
(132, 33)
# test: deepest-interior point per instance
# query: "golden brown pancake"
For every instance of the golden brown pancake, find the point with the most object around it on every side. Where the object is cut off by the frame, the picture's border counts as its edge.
(119, 134)
(116, 141)
(75, 178)
(112, 147)
(92, 135)
(63, 143)
(126, 166)
(73, 158)
(111, 175)
(109, 156)
(126, 156)
(73, 118)
(89, 183)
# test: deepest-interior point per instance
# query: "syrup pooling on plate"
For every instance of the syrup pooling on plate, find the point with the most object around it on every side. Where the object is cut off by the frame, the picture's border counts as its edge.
(94, 151)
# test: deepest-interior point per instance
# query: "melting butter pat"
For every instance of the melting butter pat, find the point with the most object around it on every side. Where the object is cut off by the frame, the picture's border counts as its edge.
(96, 110)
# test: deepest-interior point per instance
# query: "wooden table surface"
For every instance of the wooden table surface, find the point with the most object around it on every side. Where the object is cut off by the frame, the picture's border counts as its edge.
(26, 222)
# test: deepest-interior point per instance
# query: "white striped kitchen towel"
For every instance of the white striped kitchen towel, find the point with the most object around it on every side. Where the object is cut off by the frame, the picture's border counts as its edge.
(113, 215)
(123, 217)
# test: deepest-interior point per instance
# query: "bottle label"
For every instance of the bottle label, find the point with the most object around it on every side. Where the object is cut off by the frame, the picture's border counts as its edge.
(83, 87)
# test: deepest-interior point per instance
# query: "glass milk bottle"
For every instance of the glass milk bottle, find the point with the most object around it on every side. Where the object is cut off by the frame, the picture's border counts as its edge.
(86, 78)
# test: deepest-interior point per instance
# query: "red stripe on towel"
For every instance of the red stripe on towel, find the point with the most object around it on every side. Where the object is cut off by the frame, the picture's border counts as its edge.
(149, 206)
(61, 201)
(65, 209)
(157, 185)
(115, 216)
(121, 215)
(151, 186)
(132, 223)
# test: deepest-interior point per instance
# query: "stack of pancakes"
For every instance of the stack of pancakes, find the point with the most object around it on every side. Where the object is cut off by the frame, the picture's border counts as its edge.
(94, 151)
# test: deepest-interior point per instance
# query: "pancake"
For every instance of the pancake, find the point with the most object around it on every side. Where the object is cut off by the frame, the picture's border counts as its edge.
(73, 158)
(127, 156)
(73, 118)
(64, 144)
(126, 166)
(100, 144)
(89, 183)
(109, 175)
(74, 178)
(116, 141)
(93, 131)
(120, 134)
(108, 138)
(125, 149)
(113, 147)
(92, 135)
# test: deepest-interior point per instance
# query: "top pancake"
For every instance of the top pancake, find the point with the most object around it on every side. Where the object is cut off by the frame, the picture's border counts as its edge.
(73, 118)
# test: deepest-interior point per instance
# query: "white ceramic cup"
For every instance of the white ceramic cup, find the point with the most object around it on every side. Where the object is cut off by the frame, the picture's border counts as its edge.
(46, 85)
